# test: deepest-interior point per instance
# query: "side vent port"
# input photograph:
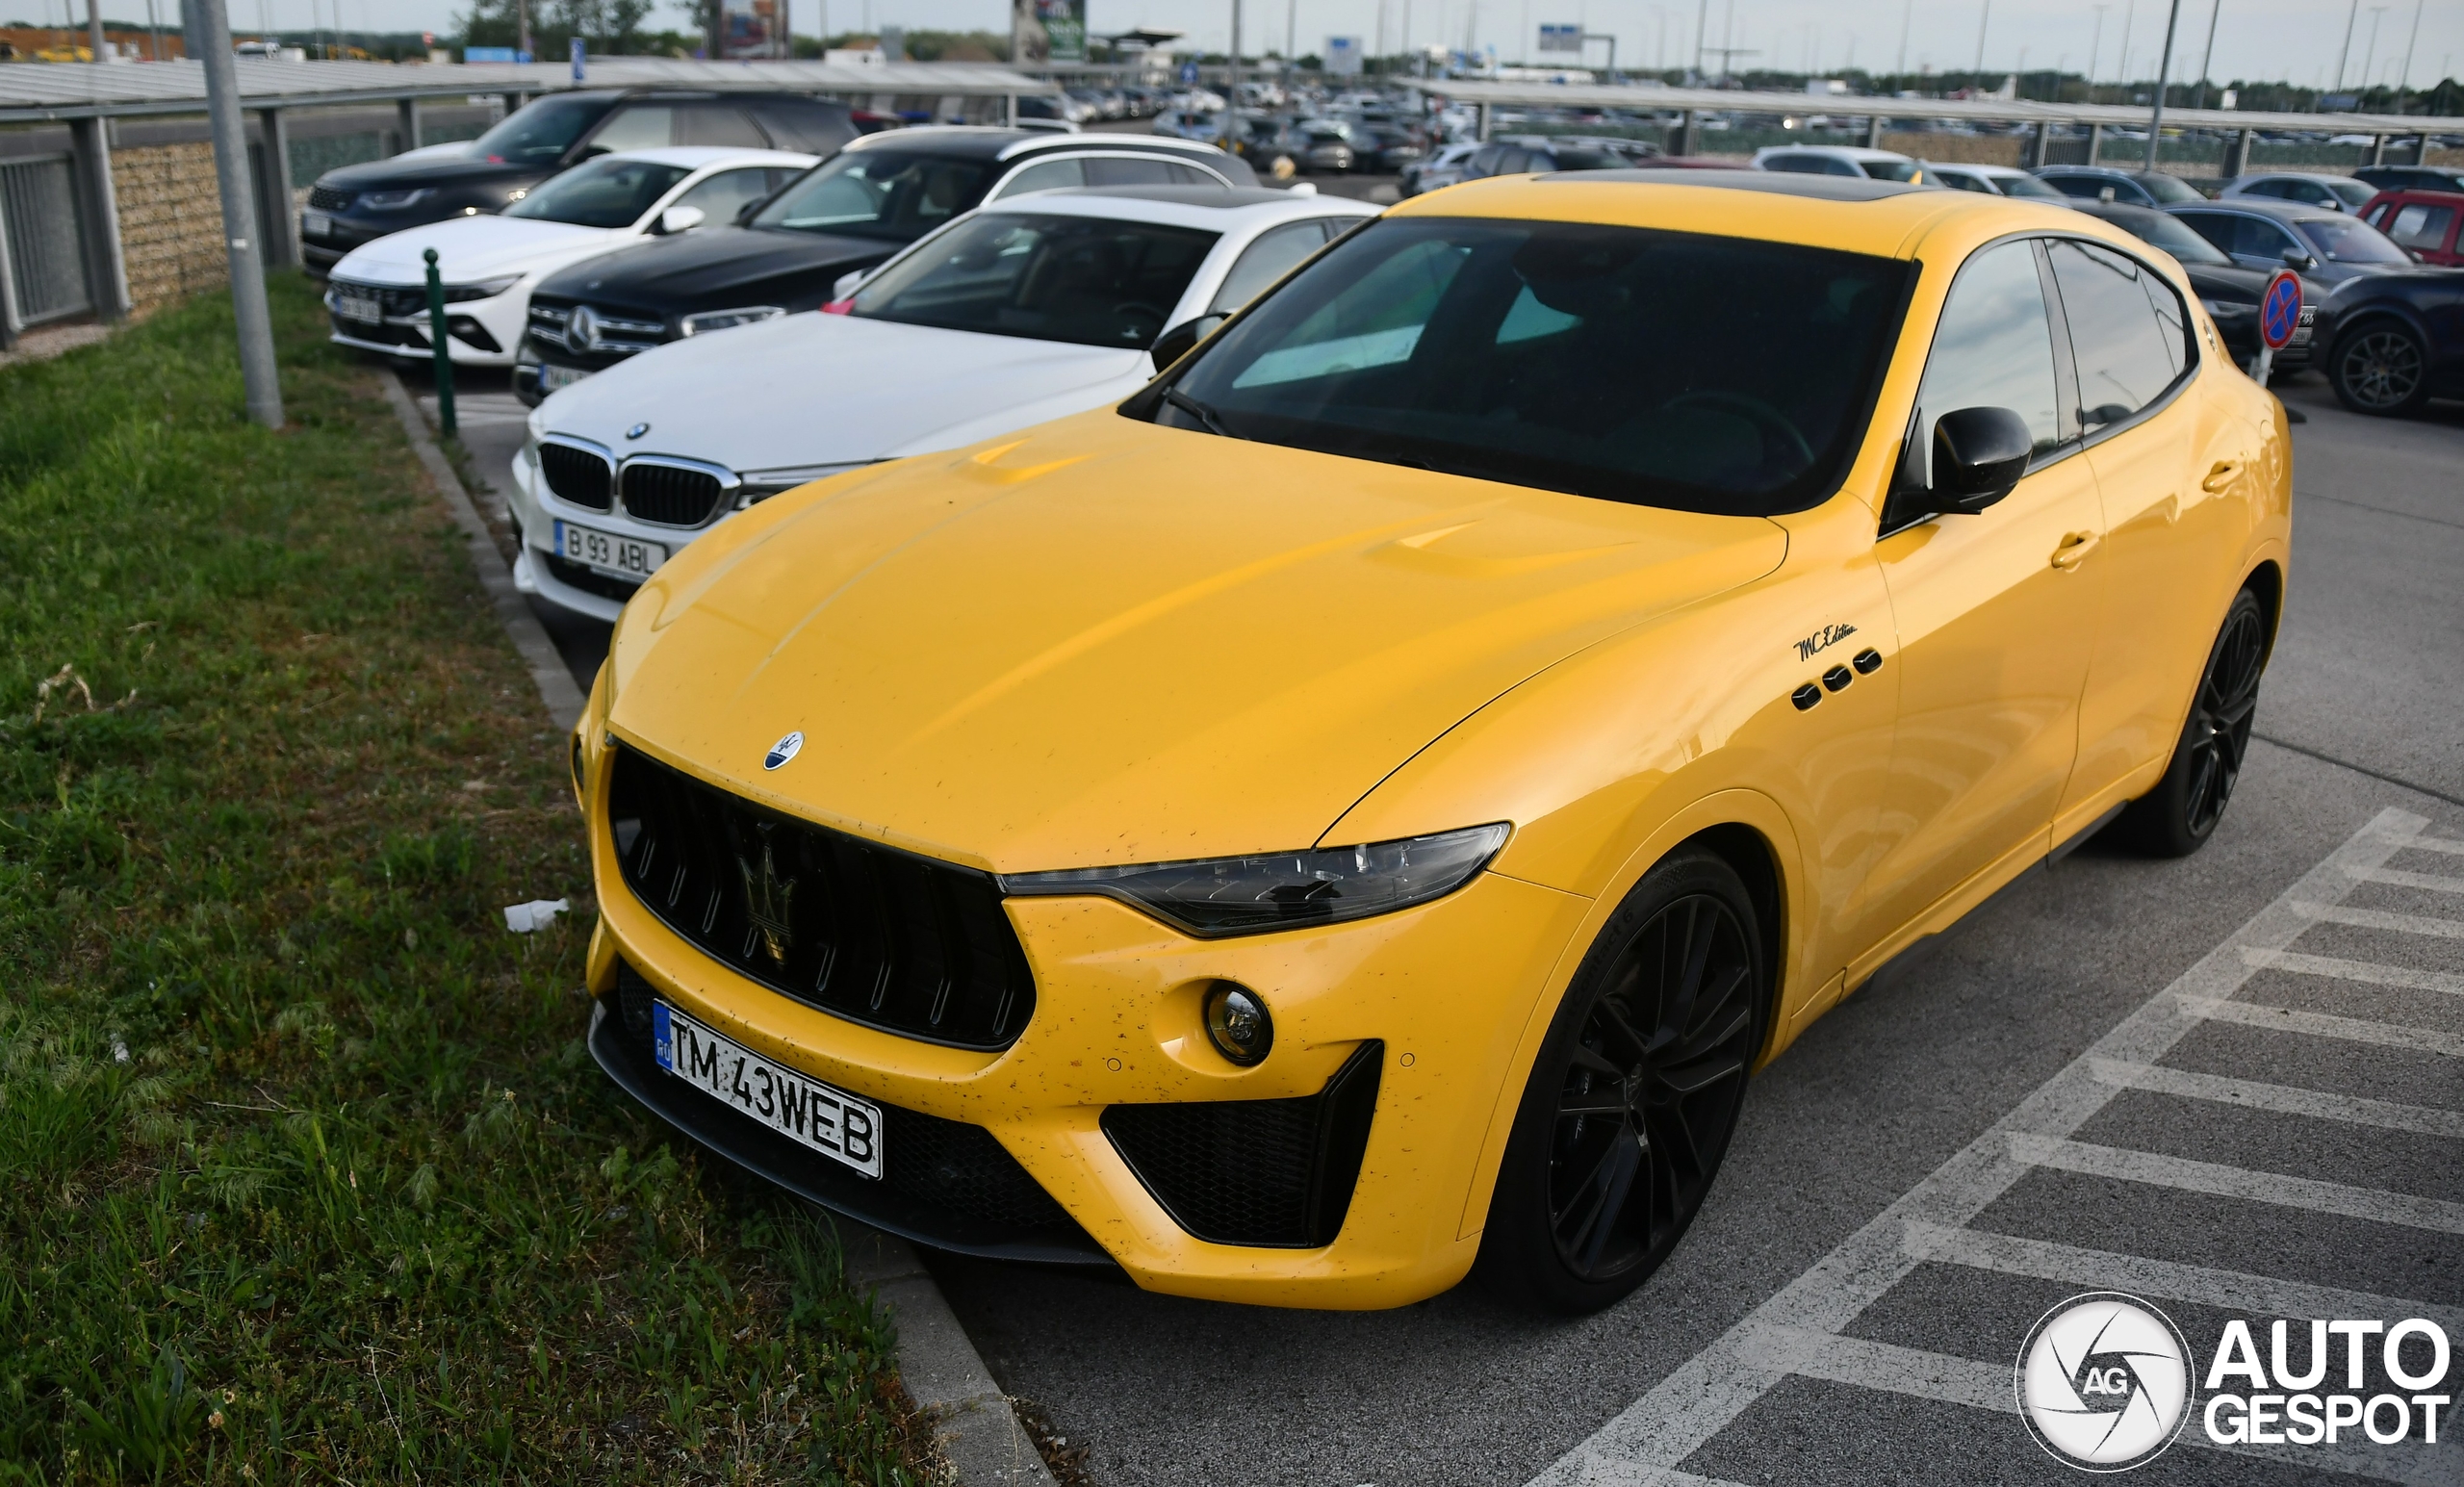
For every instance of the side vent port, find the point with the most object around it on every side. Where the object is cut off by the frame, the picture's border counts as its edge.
(1273, 1174)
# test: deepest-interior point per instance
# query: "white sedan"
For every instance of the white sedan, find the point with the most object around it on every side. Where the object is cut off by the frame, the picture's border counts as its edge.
(379, 292)
(1024, 310)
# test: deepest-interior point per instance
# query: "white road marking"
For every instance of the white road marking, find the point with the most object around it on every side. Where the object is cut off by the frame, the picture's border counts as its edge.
(2282, 1099)
(2185, 1175)
(2103, 1270)
(1706, 1392)
(2368, 972)
(2380, 919)
(2315, 1025)
(2436, 844)
(2436, 882)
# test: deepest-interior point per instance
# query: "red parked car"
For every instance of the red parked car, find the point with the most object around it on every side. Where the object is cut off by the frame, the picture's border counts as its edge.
(2420, 222)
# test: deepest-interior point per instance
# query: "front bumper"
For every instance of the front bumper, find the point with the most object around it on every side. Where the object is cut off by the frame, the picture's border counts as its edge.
(1451, 993)
(478, 332)
(562, 582)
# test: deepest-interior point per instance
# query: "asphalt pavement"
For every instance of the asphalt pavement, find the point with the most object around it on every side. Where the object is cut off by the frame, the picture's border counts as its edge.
(2232, 1085)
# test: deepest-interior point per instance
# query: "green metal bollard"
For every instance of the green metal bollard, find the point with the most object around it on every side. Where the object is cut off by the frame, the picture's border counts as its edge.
(444, 357)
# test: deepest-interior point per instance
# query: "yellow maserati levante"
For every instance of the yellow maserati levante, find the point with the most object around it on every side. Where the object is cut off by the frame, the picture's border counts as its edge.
(1358, 811)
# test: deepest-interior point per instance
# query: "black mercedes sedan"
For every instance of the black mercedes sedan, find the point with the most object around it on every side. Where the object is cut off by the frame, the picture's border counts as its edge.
(2230, 291)
(357, 204)
(2397, 341)
(788, 251)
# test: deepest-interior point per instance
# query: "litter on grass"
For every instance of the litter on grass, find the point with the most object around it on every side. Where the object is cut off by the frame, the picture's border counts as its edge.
(537, 914)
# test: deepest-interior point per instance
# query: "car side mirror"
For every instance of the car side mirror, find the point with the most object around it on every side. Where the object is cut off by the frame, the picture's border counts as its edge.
(2295, 258)
(1978, 455)
(676, 219)
(1174, 344)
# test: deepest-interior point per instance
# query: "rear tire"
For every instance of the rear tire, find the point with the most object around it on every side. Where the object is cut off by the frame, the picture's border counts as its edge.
(2381, 367)
(1636, 1093)
(2177, 817)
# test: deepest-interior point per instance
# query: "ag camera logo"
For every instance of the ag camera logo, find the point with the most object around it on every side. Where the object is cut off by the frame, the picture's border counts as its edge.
(2104, 1382)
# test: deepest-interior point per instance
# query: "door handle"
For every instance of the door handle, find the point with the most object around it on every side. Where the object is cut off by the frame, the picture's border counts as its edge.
(2220, 474)
(2074, 549)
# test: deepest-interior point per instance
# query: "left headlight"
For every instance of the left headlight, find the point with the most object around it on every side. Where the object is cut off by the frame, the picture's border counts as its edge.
(485, 289)
(724, 320)
(1255, 895)
(393, 200)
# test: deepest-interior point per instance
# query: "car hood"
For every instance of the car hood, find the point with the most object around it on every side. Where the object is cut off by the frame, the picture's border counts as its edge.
(451, 165)
(811, 389)
(719, 268)
(470, 249)
(1105, 642)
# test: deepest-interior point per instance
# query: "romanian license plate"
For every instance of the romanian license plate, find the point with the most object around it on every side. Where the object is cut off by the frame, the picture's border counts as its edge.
(627, 557)
(363, 308)
(806, 1110)
(552, 377)
(315, 225)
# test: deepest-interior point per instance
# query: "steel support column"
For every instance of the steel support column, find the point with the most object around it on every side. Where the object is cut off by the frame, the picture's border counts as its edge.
(409, 111)
(98, 218)
(2379, 149)
(2237, 154)
(2040, 142)
(1874, 126)
(282, 239)
(2095, 142)
(1683, 140)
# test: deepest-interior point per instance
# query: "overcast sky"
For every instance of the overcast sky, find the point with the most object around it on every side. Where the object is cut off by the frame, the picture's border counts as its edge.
(2300, 39)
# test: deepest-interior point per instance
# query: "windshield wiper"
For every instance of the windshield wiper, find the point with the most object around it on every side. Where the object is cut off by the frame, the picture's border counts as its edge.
(1199, 411)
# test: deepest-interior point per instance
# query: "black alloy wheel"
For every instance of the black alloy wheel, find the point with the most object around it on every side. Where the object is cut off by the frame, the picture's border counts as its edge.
(1635, 1095)
(2381, 368)
(2177, 818)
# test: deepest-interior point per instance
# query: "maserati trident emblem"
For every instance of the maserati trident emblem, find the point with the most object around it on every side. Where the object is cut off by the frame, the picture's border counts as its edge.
(782, 750)
(769, 901)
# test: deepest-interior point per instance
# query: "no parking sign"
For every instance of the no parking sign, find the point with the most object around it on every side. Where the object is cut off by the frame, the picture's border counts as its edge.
(2279, 316)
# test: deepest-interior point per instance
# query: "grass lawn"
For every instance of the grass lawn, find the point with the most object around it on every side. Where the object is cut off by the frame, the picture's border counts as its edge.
(304, 1172)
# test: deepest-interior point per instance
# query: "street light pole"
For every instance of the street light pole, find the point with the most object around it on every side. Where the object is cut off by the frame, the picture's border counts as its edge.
(2164, 69)
(2207, 57)
(2346, 55)
(209, 41)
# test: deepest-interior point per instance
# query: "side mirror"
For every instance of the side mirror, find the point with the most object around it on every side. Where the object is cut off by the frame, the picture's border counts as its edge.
(846, 285)
(1978, 455)
(2295, 258)
(1174, 344)
(676, 219)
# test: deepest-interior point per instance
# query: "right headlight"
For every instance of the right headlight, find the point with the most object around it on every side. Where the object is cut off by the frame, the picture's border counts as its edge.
(724, 319)
(1255, 895)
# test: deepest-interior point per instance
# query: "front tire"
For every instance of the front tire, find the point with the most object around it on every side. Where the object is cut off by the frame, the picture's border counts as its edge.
(1636, 1093)
(2381, 367)
(2177, 817)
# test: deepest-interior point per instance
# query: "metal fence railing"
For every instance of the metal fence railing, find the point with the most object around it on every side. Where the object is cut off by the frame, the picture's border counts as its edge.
(43, 268)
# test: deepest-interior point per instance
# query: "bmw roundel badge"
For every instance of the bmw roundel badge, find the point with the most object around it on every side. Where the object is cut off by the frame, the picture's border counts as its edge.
(637, 430)
(782, 750)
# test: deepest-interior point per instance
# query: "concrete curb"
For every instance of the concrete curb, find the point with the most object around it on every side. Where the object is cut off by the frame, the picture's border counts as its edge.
(557, 689)
(941, 1370)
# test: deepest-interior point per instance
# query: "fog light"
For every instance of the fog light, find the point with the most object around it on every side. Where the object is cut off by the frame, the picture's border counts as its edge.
(1237, 1023)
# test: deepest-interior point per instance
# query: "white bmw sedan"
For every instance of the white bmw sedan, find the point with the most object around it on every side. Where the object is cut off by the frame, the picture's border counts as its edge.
(1024, 310)
(379, 292)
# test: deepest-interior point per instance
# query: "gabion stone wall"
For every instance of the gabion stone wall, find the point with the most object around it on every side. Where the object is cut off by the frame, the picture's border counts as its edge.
(170, 223)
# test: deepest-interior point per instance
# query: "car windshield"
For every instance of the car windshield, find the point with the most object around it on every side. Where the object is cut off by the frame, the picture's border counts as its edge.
(1080, 279)
(540, 134)
(2167, 189)
(1664, 369)
(2341, 240)
(2170, 234)
(894, 194)
(2354, 194)
(610, 192)
(2028, 188)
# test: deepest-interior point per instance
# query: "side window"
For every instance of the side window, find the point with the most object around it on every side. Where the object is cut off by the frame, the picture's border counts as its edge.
(2376, 217)
(1995, 346)
(1188, 175)
(1795, 165)
(2258, 238)
(1046, 176)
(723, 195)
(2274, 189)
(2125, 330)
(1961, 181)
(1484, 161)
(1513, 162)
(2216, 227)
(717, 124)
(2085, 188)
(1101, 172)
(642, 126)
(2421, 225)
(794, 125)
(1266, 261)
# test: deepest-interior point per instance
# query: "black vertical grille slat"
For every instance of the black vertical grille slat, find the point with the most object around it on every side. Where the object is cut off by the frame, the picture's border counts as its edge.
(670, 496)
(576, 474)
(886, 939)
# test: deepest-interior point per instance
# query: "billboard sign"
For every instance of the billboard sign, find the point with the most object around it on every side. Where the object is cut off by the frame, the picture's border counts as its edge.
(1342, 55)
(1561, 39)
(1043, 31)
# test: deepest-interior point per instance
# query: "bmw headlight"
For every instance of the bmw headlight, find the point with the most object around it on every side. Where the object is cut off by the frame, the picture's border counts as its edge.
(1254, 896)
(393, 200)
(725, 319)
(485, 289)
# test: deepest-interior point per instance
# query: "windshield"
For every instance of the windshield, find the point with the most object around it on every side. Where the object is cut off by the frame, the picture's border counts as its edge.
(610, 192)
(2170, 234)
(1079, 279)
(2167, 189)
(2354, 194)
(891, 195)
(540, 133)
(2341, 240)
(2028, 188)
(1666, 368)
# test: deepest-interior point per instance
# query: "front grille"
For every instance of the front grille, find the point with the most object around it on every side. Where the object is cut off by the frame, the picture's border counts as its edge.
(575, 475)
(945, 1167)
(1272, 1173)
(588, 580)
(904, 944)
(393, 301)
(324, 198)
(382, 334)
(669, 495)
(587, 328)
